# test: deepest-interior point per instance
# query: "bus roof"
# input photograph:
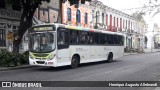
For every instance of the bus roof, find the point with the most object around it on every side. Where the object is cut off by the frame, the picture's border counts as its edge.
(80, 28)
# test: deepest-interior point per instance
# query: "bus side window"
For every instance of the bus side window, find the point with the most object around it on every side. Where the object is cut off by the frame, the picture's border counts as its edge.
(106, 38)
(95, 38)
(63, 36)
(91, 38)
(115, 39)
(84, 37)
(120, 39)
(74, 37)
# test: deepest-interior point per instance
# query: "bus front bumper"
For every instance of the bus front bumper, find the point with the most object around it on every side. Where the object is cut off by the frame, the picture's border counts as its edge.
(42, 62)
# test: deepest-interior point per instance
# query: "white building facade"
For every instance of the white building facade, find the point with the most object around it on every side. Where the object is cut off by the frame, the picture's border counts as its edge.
(107, 18)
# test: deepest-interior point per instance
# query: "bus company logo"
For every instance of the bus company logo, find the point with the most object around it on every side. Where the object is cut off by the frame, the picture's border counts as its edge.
(6, 84)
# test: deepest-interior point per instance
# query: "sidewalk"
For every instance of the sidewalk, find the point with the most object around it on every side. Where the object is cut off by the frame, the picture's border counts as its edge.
(28, 66)
(125, 54)
(17, 67)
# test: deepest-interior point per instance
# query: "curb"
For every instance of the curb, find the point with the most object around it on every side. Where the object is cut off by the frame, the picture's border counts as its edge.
(17, 67)
(126, 54)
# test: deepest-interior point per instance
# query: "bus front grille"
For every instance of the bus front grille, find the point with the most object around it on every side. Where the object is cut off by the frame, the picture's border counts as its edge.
(40, 55)
(40, 62)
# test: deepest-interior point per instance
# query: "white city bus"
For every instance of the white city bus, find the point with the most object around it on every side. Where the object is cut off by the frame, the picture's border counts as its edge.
(58, 45)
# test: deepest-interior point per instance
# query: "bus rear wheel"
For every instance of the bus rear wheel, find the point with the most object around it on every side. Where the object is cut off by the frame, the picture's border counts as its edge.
(74, 62)
(110, 58)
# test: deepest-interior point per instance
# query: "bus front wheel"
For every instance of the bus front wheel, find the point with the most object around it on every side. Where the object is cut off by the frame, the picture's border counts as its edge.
(110, 57)
(74, 62)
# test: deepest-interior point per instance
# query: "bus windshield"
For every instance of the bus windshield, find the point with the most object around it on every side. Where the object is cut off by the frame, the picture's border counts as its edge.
(42, 42)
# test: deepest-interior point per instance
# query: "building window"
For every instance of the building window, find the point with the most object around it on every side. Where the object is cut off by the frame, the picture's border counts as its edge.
(78, 16)
(131, 25)
(69, 14)
(123, 23)
(86, 18)
(110, 23)
(2, 34)
(16, 5)
(120, 23)
(103, 18)
(2, 37)
(126, 24)
(93, 15)
(107, 19)
(114, 21)
(2, 2)
(117, 23)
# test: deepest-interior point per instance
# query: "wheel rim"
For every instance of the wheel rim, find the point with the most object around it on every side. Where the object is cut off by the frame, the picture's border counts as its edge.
(74, 62)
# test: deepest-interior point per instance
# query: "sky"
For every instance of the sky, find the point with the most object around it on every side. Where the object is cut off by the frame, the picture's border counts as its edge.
(129, 4)
(124, 4)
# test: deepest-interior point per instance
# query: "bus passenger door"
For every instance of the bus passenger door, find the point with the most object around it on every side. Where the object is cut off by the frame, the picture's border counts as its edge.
(63, 45)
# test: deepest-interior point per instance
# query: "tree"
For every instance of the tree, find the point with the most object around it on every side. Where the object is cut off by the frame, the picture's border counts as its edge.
(28, 9)
(138, 15)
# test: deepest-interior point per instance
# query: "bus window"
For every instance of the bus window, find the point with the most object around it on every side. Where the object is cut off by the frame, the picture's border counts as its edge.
(110, 39)
(74, 37)
(115, 39)
(84, 37)
(91, 38)
(120, 39)
(106, 38)
(63, 37)
(95, 38)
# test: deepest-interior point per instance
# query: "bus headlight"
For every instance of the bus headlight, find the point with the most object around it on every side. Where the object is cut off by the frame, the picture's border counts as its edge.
(30, 56)
(51, 57)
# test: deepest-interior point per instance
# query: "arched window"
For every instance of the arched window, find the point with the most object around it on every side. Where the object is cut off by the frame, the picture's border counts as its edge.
(126, 24)
(114, 21)
(107, 19)
(110, 23)
(123, 23)
(69, 14)
(86, 18)
(120, 23)
(117, 23)
(102, 18)
(78, 16)
(129, 24)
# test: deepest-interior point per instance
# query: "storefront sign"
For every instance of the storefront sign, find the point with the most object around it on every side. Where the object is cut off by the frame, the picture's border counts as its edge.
(9, 36)
(10, 14)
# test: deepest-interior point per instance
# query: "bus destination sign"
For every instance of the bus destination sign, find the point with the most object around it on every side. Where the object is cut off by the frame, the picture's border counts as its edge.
(43, 28)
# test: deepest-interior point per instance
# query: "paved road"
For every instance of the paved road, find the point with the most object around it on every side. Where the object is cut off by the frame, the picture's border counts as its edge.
(139, 67)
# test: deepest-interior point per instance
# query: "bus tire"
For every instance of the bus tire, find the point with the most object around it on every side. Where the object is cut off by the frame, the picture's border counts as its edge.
(74, 62)
(110, 57)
